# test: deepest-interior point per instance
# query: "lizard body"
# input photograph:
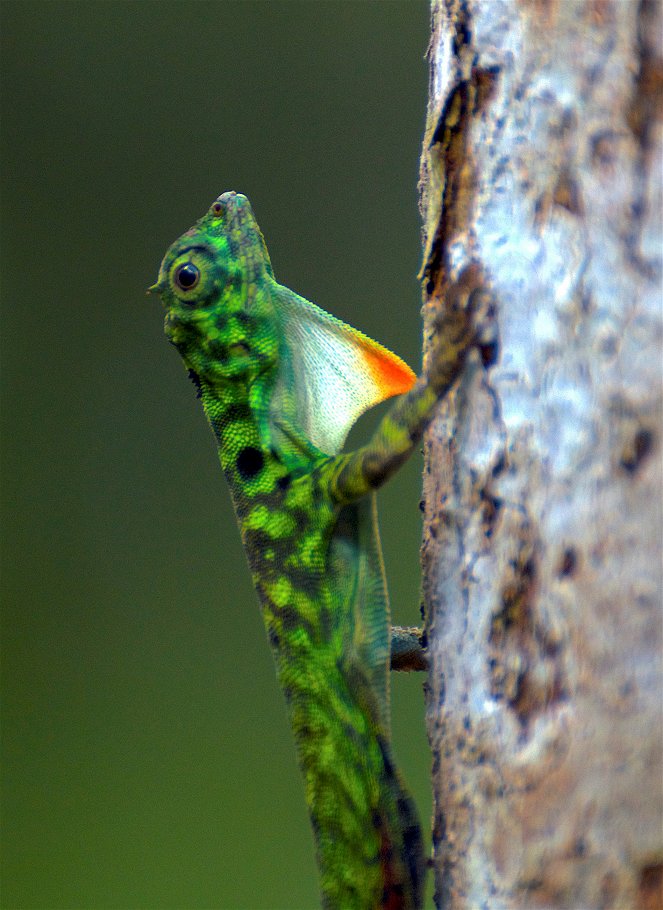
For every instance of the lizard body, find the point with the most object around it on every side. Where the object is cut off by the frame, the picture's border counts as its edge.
(281, 382)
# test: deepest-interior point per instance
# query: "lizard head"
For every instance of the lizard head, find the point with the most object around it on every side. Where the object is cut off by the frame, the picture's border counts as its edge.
(215, 283)
(232, 324)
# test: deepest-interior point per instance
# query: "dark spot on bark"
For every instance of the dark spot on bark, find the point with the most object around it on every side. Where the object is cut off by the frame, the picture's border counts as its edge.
(587, 303)
(499, 466)
(609, 891)
(462, 32)
(650, 887)
(250, 462)
(489, 353)
(637, 450)
(481, 303)
(627, 689)
(529, 569)
(579, 847)
(567, 193)
(566, 124)
(523, 658)
(609, 346)
(568, 563)
(490, 508)
(648, 83)
(550, 647)
(603, 149)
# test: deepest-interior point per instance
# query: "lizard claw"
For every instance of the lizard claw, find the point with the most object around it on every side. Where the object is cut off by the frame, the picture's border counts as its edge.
(468, 320)
(484, 311)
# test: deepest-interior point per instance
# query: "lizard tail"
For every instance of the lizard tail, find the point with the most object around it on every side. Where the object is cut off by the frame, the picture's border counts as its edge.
(401, 854)
(368, 838)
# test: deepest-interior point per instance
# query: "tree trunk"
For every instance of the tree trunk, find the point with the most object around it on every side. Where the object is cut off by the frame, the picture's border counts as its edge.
(541, 190)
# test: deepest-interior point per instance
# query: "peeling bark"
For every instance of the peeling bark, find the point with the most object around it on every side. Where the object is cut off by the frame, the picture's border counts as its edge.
(541, 189)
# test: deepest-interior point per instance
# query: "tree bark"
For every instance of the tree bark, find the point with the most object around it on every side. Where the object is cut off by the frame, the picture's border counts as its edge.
(541, 191)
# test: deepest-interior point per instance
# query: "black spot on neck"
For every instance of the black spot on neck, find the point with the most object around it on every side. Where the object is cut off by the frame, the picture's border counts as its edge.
(250, 462)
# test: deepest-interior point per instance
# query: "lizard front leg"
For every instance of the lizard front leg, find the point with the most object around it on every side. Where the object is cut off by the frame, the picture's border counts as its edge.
(350, 476)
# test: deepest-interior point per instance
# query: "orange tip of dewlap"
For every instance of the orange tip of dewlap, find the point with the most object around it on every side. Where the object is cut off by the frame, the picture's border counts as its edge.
(389, 373)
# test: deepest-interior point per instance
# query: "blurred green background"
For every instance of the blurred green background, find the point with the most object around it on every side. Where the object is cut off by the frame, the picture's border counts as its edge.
(147, 759)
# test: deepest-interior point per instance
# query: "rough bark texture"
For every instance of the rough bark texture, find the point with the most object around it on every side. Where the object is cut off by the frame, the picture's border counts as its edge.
(541, 187)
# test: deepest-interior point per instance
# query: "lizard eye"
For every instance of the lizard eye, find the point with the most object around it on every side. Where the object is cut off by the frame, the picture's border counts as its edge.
(193, 275)
(187, 276)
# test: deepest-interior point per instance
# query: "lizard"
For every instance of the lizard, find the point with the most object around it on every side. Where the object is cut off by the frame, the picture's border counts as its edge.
(281, 382)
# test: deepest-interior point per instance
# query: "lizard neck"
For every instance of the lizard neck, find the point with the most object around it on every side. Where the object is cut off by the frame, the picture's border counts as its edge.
(248, 403)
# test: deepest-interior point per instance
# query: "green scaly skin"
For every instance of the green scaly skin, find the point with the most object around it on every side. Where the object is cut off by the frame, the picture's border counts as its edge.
(308, 525)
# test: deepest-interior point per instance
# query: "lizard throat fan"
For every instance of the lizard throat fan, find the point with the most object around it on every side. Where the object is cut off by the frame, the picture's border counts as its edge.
(331, 372)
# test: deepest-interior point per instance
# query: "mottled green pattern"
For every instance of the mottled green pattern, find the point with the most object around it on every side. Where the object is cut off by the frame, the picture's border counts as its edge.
(308, 524)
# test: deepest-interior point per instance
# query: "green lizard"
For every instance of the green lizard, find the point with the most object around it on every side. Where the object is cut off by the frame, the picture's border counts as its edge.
(281, 382)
